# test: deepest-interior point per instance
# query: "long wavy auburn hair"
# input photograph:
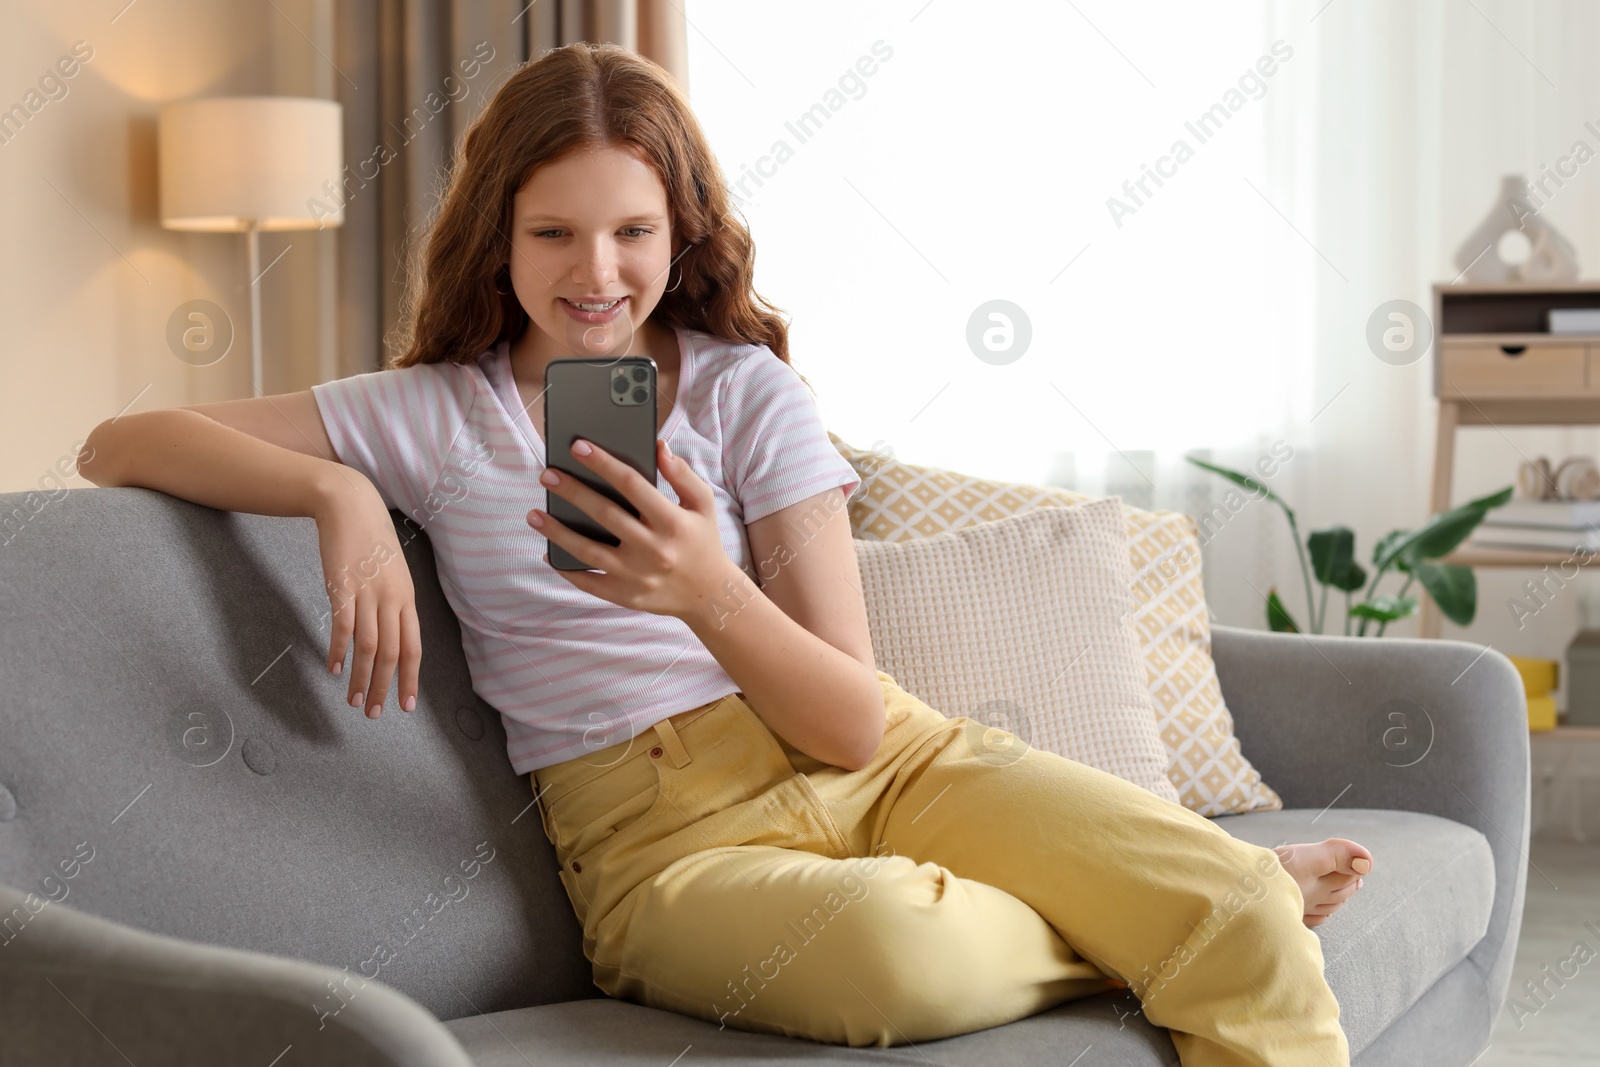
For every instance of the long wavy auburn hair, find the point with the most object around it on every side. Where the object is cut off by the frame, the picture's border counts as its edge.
(577, 97)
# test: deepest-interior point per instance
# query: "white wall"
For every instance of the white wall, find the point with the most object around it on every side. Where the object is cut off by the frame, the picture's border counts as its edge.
(88, 278)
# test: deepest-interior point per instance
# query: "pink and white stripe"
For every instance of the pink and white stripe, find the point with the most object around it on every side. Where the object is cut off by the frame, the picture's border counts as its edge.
(449, 446)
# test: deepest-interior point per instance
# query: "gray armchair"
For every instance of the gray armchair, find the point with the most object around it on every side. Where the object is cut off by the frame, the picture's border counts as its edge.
(206, 857)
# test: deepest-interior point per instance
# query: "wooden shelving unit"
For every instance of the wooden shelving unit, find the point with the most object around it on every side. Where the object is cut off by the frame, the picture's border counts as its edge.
(1480, 556)
(1496, 364)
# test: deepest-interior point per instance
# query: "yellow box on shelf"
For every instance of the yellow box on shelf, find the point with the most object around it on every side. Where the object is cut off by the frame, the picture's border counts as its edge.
(1541, 713)
(1539, 676)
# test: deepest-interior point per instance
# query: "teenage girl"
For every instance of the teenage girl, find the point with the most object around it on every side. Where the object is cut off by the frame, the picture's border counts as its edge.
(755, 825)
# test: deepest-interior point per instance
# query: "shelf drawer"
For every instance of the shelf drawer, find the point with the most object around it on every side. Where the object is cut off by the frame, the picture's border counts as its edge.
(1480, 369)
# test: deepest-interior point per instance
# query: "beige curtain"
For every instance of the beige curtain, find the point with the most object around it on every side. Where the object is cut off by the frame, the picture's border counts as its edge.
(413, 75)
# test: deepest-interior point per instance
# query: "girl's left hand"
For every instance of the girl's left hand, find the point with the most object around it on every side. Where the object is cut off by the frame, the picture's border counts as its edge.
(670, 559)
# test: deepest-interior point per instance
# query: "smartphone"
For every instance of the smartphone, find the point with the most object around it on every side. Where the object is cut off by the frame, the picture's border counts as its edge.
(611, 402)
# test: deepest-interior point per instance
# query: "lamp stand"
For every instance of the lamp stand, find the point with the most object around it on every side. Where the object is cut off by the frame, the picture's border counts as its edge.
(253, 244)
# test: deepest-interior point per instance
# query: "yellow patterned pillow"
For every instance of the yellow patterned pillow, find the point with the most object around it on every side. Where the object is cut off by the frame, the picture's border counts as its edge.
(898, 501)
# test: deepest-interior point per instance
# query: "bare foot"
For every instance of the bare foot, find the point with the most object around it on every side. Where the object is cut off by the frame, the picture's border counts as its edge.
(1328, 873)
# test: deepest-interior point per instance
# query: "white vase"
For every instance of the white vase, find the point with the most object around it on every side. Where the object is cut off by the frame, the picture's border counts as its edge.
(1551, 257)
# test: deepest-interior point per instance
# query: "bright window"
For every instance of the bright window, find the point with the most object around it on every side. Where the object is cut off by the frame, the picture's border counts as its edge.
(959, 156)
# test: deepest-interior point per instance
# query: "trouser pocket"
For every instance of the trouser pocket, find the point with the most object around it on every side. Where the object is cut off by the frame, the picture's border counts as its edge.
(719, 779)
(581, 818)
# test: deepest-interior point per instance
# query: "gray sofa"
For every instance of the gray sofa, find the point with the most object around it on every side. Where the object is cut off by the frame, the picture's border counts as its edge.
(202, 848)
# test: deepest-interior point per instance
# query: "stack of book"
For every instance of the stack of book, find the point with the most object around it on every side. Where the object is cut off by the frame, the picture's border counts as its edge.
(1539, 677)
(1542, 524)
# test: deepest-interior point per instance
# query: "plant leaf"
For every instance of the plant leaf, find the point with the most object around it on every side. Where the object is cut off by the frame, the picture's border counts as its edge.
(1333, 550)
(1489, 501)
(1244, 481)
(1354, 578)
(1384, 548)
(1453, 588)
(1278, 618)
(1385, 608)
(1441, 534)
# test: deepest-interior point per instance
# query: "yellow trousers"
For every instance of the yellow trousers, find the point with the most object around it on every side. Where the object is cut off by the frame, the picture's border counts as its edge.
(961, 880)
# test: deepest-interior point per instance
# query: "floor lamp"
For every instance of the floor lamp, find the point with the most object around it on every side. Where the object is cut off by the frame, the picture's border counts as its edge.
(248, 164)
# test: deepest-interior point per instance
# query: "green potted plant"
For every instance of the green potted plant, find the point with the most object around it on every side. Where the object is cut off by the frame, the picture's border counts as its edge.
(1329, 556)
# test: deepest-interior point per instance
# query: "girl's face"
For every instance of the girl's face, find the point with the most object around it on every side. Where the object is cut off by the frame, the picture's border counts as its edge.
(590, 228)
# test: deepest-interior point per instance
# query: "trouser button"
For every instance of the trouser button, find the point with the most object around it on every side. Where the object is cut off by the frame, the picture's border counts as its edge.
(655, 753)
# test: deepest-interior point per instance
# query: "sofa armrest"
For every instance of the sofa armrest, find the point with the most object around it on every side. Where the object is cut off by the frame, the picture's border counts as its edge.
(79, 989)
(1439, 727)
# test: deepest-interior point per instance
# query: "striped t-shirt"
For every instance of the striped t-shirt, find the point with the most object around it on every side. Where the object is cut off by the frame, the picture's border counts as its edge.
(450, 447)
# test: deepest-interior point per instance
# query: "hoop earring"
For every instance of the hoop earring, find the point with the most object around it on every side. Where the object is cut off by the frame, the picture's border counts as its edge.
(674, 285)
(502, 292)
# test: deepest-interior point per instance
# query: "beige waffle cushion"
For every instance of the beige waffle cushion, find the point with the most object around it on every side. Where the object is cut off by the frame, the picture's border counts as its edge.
(1024, 623)
(899, 501)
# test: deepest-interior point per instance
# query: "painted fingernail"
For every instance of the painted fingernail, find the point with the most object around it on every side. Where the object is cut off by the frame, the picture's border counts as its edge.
(372, 712)
(550, 477)
(338, 667)
(411, 703)
(581, 447)
(536, 517)
(355, 701)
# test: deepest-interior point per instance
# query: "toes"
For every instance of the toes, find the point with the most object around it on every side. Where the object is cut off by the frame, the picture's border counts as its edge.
(1345, 892)
(1350, 856)
(1328, 872)
(1319, 913)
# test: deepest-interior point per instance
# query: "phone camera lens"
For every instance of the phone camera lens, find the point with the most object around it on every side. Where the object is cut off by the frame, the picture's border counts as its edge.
(619, 386)
(641, 395)
(640, 374)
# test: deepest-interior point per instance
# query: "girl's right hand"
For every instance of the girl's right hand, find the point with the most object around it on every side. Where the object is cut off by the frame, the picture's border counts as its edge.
(372, 599)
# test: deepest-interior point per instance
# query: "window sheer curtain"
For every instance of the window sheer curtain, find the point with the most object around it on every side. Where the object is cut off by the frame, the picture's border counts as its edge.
(1197, 208)
(1028, 154)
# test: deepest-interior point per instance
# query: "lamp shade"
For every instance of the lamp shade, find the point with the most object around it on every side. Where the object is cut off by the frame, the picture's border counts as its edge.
(226, 161)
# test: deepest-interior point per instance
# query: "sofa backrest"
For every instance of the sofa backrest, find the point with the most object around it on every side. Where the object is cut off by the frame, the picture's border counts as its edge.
(174, 755)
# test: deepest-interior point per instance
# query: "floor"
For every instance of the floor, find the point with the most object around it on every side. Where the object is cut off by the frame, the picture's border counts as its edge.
(1561, 932)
